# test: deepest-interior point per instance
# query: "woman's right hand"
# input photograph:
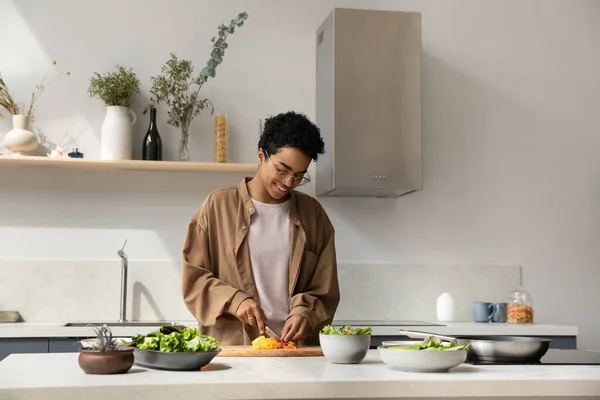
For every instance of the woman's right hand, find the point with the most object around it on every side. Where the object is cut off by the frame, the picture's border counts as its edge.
(250, 313)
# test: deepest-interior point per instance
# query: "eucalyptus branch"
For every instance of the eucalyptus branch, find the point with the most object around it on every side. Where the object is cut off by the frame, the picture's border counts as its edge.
(179, 88)
(219, 46)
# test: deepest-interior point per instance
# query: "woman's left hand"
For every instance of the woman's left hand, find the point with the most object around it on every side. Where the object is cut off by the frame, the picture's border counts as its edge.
(295, 329)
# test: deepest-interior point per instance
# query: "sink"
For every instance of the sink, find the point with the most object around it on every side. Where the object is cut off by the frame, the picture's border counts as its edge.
(119, 324)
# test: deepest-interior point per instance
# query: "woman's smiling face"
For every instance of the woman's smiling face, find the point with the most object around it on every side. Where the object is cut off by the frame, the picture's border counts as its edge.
(283, 171)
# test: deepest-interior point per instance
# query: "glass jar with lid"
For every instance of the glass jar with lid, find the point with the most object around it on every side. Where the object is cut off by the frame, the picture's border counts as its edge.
(221, 138)
(520, 308)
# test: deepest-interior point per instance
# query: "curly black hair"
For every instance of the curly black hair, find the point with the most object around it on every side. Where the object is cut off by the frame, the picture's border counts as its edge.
(292, 130)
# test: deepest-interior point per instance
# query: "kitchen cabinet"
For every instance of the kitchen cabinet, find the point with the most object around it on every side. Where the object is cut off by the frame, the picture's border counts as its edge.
(10, 346)
(64, 345)
(20, 345)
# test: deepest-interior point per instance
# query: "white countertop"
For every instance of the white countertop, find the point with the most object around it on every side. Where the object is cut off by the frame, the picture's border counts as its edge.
(59, 330)
(58, 376)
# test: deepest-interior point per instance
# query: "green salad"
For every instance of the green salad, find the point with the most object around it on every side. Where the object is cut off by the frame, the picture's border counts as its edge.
(175, 340)
(346, 330)
(431, 346)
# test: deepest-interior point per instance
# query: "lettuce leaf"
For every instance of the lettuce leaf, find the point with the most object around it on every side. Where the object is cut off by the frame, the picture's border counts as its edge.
(431, 345)
(175, 340)
(346, 330)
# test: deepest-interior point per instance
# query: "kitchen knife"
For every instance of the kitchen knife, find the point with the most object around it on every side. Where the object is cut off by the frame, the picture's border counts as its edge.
(272, 334)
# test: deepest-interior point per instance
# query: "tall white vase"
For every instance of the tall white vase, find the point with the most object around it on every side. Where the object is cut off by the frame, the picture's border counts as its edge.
(20, 139)
(117, 133)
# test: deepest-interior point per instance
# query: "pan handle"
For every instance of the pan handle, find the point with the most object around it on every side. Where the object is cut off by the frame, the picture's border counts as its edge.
(425, 335)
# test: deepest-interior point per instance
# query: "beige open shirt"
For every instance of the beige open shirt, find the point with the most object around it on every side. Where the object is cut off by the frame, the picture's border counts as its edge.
(217, 272)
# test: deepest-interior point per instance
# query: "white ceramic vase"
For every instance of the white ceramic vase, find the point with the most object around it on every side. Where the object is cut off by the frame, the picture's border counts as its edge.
(117, 133)
(20, 139)
(445, 308)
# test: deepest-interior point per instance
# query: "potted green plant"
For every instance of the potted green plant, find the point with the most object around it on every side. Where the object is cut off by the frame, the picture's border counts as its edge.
(104, 355)
(116, 89)
(178, 87)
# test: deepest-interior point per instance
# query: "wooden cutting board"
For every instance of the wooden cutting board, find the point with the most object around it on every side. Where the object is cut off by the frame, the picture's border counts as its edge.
(247, 351)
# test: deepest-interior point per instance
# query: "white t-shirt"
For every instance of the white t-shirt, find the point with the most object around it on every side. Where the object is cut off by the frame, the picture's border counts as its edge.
(270, 243)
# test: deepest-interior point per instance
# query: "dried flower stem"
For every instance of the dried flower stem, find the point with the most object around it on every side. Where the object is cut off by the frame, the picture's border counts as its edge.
(8, 102)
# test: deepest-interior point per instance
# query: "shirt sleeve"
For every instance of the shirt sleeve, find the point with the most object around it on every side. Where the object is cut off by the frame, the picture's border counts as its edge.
(205, 296)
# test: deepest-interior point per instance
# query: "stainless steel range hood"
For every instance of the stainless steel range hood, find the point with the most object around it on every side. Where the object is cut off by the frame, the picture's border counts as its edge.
(368, 103)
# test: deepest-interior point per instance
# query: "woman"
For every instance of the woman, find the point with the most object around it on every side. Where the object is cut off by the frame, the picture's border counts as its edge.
(260, 253)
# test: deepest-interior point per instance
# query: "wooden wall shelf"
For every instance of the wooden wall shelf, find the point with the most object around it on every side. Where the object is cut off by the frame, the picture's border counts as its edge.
(84, 163)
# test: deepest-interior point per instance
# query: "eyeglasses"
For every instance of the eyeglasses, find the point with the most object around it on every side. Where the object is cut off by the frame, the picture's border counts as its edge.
(285, 176)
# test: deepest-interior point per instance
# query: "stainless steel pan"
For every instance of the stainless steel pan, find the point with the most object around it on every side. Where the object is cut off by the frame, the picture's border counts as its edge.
(496, 349)
(506, 349)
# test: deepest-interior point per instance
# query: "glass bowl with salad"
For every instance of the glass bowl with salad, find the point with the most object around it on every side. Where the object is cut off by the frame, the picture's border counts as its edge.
(345, 344)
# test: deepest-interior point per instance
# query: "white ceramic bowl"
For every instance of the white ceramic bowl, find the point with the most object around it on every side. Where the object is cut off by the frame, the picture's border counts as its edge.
(421, 360)
(345, 349)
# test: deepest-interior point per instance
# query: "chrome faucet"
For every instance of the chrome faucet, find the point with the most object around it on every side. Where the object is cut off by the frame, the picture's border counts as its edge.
(123, 256)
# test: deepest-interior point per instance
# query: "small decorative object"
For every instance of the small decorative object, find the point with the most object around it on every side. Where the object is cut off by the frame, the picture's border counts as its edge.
(116, 90)
(21, 139)
(56, 153)
(178, 87)
(105, 355)
(445, 308)
(152, 148)
(9, 316)
(75, 153)
(221, 139)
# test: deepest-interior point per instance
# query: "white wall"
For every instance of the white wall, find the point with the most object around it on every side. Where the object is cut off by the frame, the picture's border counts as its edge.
(511, 135)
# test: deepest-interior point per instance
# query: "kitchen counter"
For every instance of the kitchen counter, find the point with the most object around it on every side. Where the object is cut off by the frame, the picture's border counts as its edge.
(59, 330)
(58, 376)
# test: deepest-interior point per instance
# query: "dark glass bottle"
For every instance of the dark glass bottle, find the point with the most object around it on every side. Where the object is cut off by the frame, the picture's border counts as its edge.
(152, 141)
(75, 153)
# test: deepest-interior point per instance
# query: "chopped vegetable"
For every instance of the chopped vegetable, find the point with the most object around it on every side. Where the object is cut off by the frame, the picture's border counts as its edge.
(431, 346)
(346, 330)
(175, 340)
(265, 343)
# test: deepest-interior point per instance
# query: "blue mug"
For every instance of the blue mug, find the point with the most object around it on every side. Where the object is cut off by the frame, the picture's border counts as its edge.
(499, 312)
(482, 312)
(490, 312)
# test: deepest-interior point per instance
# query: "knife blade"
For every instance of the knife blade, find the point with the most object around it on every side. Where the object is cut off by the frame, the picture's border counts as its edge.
(270, 333)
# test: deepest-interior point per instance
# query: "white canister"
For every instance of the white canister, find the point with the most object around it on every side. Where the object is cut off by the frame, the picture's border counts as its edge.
(117, 133)
(445, 308)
